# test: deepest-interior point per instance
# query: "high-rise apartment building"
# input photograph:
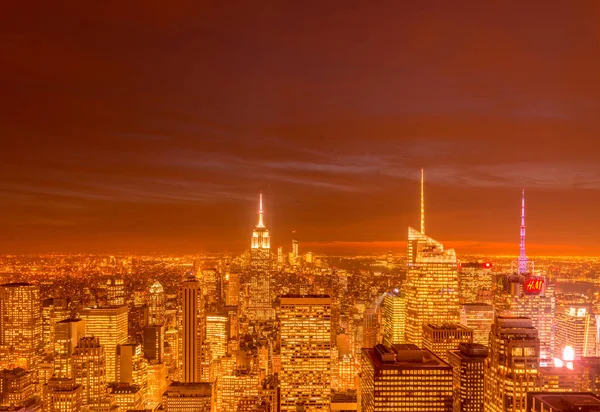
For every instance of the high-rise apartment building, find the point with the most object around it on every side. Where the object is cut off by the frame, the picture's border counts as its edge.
(394, 318)
(21, 325)
(440, 339)
(191, 330)
(478, 317)
(468, 365)
(575, 327)
(512, 367)
(89, 371)
(216, 335)
(115, 290)
(110, 325)
(156, 309)
(404, 378)
(305, 376)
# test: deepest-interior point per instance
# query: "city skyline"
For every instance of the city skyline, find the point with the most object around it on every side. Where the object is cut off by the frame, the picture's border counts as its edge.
(157, 135)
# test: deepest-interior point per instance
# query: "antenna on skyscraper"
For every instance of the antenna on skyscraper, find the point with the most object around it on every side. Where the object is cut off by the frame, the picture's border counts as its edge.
(522, 255)
(260, 211)
(422, 203)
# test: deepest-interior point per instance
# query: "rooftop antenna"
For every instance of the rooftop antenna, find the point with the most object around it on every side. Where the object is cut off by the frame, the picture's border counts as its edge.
(422, 203)
(260, 211)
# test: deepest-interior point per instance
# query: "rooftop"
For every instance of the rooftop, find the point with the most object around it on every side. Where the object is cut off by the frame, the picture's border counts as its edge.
(567, 402)
(407, 356)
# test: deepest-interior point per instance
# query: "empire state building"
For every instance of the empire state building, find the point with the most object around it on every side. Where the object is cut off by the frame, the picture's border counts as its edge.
(260, 248)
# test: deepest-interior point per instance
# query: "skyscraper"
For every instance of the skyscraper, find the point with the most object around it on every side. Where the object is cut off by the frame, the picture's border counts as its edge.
(473, 279)
(89, 370)
(21, 324)
(431, 282)
(575, 327)
(305, 376)
(403, 378)
(216, 335)
(191, 333)
(512, 367)
(259, 305)
(156, 310)
(295, 253)
(67, 334)
(110, 325)
(394, 318)
(53, 310)
(468, 365)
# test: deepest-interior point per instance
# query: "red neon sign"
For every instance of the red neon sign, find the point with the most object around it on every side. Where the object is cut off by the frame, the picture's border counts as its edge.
(534, 285)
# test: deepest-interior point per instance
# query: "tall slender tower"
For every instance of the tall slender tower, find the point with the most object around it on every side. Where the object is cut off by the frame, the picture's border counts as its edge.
(260, 248)
(190, 330)
(431, 282)
(422, 201)
(522, 256)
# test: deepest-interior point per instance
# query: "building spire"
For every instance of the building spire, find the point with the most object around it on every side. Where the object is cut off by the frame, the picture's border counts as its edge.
(260, 212)
(422, 203)
(522, 255)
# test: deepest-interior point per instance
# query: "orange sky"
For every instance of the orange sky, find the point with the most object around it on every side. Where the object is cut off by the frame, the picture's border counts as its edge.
(130, 128)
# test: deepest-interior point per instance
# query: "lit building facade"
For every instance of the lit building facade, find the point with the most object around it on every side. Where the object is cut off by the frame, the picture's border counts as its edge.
(156, 309)
(67, 334)
(232, 388)
(512, 367)
(305, 376)
(89, 371)
(115, 289)
(474, 278)
(232, 289)
(259, 304)
(53, 310)
(62, 395)
(191, 330)
(439, 339)
(157, 383)
(16, 386)
(478, 317)
(110, 325)
(216, 335)
(575, 327)
(21, 331)
(394, 318)
(404, 378)
(468, 365)
(431, 285)
(187, 397)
